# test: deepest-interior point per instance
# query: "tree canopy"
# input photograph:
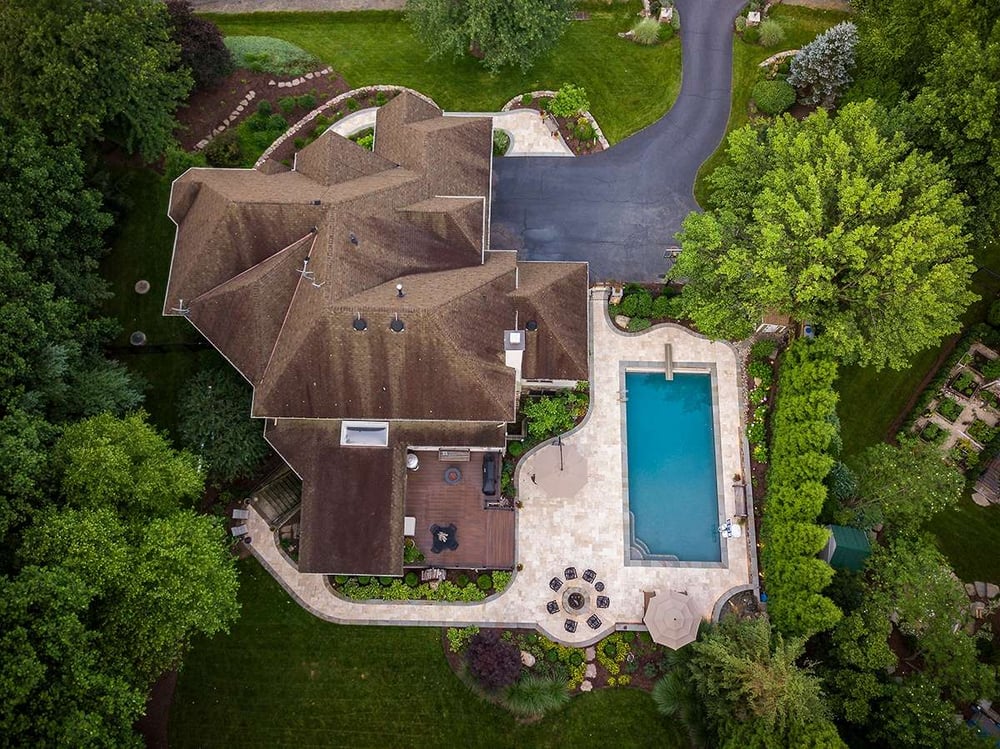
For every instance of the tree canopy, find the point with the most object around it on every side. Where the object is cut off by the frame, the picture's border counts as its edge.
(93, 70)
(832, 221)
(504, 33)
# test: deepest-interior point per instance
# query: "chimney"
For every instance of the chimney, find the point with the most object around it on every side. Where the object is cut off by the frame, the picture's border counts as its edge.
(513, 348)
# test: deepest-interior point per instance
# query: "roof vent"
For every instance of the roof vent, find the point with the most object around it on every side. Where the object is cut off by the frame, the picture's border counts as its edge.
(399, 290)
(396, 326)
(531, 326)
(360, 324)
(354, 238)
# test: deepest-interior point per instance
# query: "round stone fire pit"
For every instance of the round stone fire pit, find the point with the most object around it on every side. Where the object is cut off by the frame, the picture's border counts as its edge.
(576, 601)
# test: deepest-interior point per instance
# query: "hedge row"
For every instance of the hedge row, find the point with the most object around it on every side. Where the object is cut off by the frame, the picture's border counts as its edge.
(803, 430)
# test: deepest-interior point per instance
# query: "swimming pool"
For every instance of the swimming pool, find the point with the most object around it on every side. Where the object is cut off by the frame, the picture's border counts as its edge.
(673, 485)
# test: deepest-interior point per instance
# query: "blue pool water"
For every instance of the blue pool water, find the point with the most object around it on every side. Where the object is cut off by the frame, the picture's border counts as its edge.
(673, 491)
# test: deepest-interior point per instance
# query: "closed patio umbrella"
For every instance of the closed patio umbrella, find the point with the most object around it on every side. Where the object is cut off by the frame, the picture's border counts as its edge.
(672, 618)
(560, 469)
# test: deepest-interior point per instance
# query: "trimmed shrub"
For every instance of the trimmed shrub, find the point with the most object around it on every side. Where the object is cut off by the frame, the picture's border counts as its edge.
(364, 579)
(462, 580)
(552, 656)
(773, 97)
(637, 324)
(667, 32)
(224, 150)
(340, 579)
(584, 131)
(751, 35)
(299, 143)
(771, 33)
(494, 662)
(526, 99)
(306, 101)
(646, 32)
(534, 696)
(569, 100)
(265, 54)
(178, 161)
(411, 579)
(381, 99)
(516, 449)
(575, 659)
(484, 582)
(287, 104)
(384, 581)
(351, 104)
(264, 108)
(637, 303)
(741, 24)
(501, 142)
(763, 349)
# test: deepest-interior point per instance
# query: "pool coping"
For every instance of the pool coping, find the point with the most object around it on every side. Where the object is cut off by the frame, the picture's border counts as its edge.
(710, 368)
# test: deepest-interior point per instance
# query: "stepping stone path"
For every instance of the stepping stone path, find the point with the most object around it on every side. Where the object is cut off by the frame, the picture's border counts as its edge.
(527, 658)
(591, 672)
(587, 686)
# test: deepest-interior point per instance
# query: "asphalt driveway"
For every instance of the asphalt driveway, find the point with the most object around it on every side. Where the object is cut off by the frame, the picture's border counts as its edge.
(620, 209)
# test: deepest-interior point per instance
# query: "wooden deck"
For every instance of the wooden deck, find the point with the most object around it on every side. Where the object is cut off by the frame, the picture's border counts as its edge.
(485, 537)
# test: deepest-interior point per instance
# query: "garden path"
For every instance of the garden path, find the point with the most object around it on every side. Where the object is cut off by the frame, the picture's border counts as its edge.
(619, 209)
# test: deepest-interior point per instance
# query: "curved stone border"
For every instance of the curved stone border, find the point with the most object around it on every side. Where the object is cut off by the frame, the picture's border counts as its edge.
(586, 113)
(779, 57)
(301, 79)
(291, 131)
(717, 609)
(227, 121)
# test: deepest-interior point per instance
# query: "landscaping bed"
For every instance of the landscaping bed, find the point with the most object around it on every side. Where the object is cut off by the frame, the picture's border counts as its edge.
(207, 108)
(458, 585)
(576, 130)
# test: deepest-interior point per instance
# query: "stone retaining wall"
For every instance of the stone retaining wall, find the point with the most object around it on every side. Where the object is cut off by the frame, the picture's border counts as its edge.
(586, 113)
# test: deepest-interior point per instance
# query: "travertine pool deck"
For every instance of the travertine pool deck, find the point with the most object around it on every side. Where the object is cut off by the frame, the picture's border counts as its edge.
(585, 530)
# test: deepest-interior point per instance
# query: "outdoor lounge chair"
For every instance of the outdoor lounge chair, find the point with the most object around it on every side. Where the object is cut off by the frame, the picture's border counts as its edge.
(603, 602)
(552, 607)
(570, 625)
(555, 583)
(570, 573)
(239, 530)
(241, 514)
(594, 622)
(589, 576)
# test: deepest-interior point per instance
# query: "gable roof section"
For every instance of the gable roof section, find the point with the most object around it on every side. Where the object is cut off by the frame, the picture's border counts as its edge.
(329, 160)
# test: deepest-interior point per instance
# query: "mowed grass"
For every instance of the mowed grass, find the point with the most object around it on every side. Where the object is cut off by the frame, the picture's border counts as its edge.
(967, 536)
(142, 250)
(801, 26)
(283, 677)
(629, 86)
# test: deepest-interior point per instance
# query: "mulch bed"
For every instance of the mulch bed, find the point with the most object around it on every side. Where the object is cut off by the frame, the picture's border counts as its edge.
(567, 127)
(207, 108)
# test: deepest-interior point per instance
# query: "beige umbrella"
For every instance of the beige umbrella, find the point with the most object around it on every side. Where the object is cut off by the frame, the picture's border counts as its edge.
(672, 618)
(559, 468)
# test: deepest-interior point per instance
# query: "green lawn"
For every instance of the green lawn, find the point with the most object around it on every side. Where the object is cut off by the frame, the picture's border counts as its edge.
(801, 26)
(142, 250)
(282, 677)
(967, 536)
(629, 86)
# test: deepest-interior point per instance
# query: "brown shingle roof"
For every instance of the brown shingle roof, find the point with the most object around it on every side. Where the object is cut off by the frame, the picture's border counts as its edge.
(554, 295)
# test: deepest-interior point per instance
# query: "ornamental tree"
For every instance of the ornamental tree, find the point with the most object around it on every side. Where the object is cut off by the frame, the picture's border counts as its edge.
(504, 33)
(820, 71)
(833, 221)
(494, 662)
(202, 48)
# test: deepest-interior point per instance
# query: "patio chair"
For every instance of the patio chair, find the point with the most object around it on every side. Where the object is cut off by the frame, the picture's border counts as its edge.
(599, 586)
(238, 530)
(589, 576)
(594, 622)
(570, 573)
(555, 583)
(570, 625)
(603, 602)
(552, 607)
(241, 514)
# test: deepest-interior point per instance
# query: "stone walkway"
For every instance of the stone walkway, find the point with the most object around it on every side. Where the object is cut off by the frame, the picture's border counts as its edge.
(556, 529)
(529, 135)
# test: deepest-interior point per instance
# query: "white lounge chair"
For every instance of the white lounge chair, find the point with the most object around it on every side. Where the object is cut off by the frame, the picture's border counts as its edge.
(239, 530)
(241, 514)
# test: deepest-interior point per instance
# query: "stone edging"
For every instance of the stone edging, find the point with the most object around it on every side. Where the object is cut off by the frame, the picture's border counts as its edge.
(779, 57)
(301, 79)
(586, 113)
(291, 131)
(250, 96)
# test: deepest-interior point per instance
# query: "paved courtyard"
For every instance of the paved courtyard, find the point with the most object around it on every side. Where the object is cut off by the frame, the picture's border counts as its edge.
(563, 524)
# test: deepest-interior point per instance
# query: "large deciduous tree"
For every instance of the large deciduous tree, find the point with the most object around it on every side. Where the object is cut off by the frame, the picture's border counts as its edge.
(505, 33)
(836, 222)
(202, 48)
(92, 70)
(903, 487)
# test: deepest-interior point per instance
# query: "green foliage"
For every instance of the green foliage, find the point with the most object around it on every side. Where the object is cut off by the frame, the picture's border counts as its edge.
(225, 149)
(178, 161)
(991, 370)
(203, 51)
(584, 131)
(410, 579)
(411, 554)
(752, 691)
(834, 222)
(214, 424)
(751, 35)
(308, 101)
(636, 302)
(503, 33)
(821, 69)
(534, 696)
(265, 54)
(501, 142)
(668, 32)
(993, 318)
(771, 33)
(459, 638)
(554, 414)
(790, 539)
(484, 582)
(637, 324)
(646, 32)
(97, 70)
(367, 141)
(500, 579)
(126, 462)
(774, 96)
(287, 104)
(763, 349)
(569, 100)
(949, 408)
(515, 449)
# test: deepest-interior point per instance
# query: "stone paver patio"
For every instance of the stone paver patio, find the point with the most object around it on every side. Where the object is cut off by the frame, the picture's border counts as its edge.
(556, 528)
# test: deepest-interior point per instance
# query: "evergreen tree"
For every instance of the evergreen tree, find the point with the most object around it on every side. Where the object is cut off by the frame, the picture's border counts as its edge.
(820, 71)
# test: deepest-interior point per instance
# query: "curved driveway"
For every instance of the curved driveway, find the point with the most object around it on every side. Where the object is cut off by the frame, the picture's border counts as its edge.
(620, 209)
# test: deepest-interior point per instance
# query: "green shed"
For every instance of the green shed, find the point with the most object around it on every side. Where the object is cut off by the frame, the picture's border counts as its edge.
(847, 549)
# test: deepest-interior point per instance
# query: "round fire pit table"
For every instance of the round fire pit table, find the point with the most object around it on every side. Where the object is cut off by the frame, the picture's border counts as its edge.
(452, 475)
